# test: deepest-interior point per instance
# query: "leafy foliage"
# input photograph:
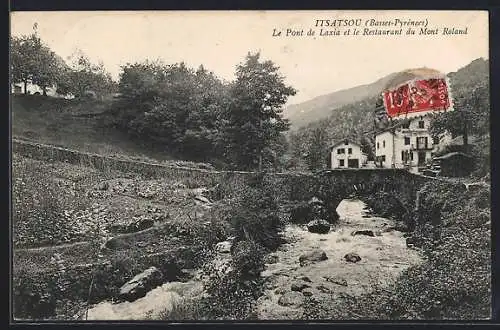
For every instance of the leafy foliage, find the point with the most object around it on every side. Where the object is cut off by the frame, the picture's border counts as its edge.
(82, 77)
(33, 62)
(254, 215)
(172, 105)
(254, 121)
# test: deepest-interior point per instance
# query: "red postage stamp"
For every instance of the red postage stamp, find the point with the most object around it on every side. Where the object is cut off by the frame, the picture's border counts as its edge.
(417, 96)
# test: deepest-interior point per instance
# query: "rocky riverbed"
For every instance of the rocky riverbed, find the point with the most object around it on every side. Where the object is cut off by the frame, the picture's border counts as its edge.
(361, 251)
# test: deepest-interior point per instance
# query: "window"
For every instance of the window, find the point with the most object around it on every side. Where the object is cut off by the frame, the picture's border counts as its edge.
(341, 151)
(383, 158)
(407, 140)
(406, 125)
(411, 155)
(383, 144)
(378, 145)
(346, 142)
(435, 140)
(403, 153)
(341, 162)
(422, 142)
(421, 124)
(349, 151)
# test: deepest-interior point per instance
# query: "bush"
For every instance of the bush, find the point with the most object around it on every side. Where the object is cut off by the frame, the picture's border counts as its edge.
(229, 295)
(248, 258)
(255, 216)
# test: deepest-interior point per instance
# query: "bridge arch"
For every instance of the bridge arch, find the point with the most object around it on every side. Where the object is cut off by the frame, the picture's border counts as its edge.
(333, 186)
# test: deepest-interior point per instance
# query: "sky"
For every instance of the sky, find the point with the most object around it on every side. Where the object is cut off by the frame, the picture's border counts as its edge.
(314, 65)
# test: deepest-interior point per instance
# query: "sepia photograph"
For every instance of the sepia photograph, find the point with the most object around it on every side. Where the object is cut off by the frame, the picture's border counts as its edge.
(250, 165)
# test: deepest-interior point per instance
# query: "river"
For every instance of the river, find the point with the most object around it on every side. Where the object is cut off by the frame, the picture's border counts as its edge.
(383, 257)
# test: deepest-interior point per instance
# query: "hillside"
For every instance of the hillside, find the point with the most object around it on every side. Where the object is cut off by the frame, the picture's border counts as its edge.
(323, 106)
(81, 125)
(320, 107)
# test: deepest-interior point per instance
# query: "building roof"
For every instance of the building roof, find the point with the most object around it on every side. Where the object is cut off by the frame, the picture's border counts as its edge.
(343, 141)
(453, 154)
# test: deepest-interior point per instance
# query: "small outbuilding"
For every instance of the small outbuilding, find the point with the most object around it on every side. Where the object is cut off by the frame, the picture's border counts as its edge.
(455, 164)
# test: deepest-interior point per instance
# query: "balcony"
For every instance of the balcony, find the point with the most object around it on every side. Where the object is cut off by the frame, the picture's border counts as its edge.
(423, 146)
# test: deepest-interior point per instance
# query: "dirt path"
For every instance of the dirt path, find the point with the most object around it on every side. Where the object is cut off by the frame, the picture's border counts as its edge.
(383, 257)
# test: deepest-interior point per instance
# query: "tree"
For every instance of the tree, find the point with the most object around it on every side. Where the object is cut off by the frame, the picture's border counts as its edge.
(33, 62)
(173, 105)
(82, 76)
(318, 148)
(254, 119)
(367, 148)
(470, 115)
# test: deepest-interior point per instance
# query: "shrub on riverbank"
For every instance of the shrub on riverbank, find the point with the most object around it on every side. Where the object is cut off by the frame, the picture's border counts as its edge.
(254, 215)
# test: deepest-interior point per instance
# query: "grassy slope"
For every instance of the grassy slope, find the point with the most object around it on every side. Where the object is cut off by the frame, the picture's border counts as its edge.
(180, 226)
(69, 123)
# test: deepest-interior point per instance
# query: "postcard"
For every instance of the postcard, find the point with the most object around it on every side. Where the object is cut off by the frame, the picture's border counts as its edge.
(250, 165)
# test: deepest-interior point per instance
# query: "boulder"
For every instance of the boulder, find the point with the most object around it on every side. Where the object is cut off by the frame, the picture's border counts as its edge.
(307, 292)
(223, 247)
(352, 257)
(305, 279)
(341, 281)
(312, 257)
(271, 259)
(319, 226)
(414, 241)
(202, 199)
(141, 284)
(280, 290)
(363, 232)
(299, 286)
(323, 288)
(133, 226)
(292, 298)
(103, 185)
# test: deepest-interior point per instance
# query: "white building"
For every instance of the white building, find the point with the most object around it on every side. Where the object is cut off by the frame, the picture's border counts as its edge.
(35, 89)
(347, 154)
(408, 145)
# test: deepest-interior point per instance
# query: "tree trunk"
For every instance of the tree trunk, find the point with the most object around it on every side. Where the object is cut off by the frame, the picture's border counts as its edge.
(44, 88)
(25, 87)
(466, 135)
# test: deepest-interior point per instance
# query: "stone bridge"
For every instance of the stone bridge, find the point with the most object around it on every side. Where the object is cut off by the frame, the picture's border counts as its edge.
(332, 186)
